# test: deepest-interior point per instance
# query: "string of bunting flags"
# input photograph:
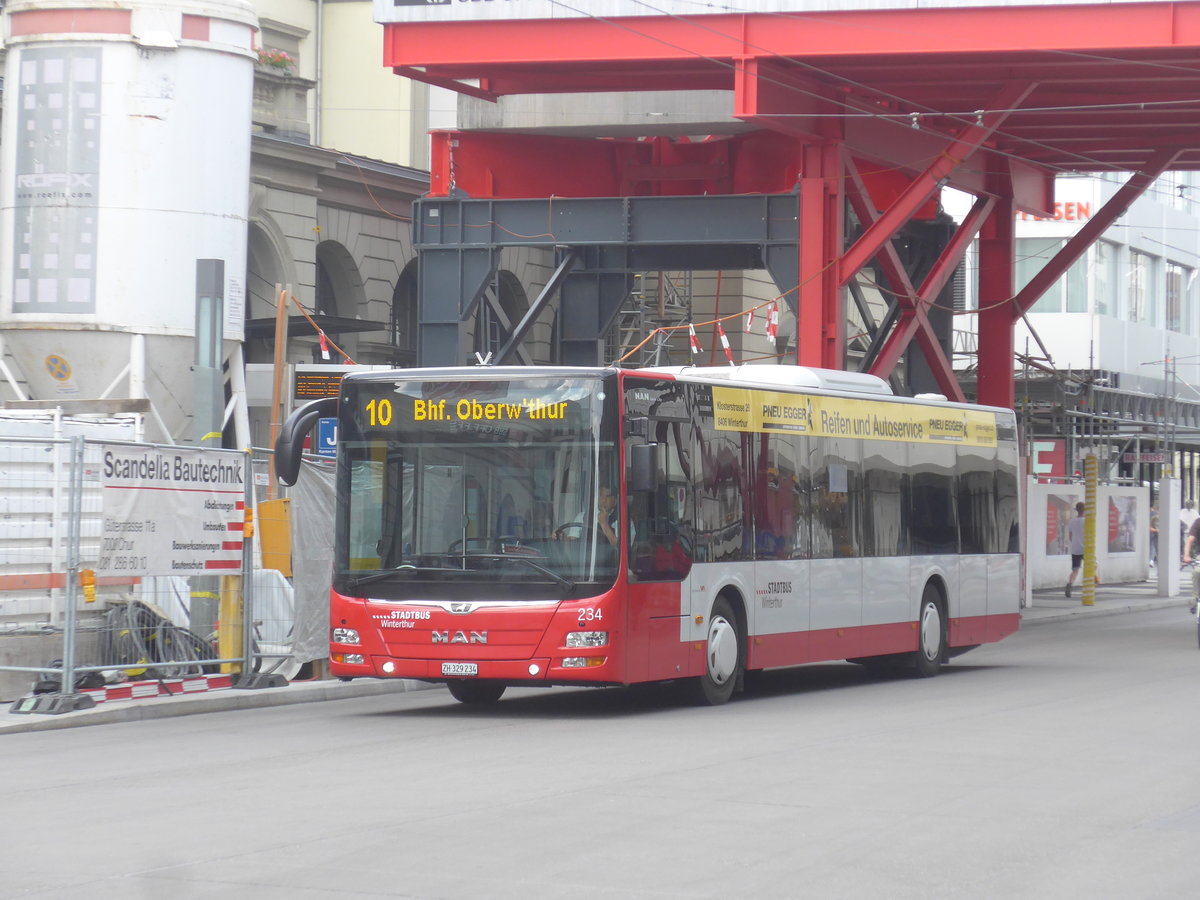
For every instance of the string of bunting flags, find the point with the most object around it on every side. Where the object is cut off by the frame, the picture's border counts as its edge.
(770, 329)
(771, 317)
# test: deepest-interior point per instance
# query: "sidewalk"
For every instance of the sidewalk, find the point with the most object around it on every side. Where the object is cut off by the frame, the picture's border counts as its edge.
(1111, 599)
(192, 704)
(1048, 606)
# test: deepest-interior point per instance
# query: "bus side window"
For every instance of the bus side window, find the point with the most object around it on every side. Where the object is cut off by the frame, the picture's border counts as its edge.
(1008, 501)
(977, 519)
(932, 504)
(885, 523)
(780, 501)
(722, 497)
(838, 498)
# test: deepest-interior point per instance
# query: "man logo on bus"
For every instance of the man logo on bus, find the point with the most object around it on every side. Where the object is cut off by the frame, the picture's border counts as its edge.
(459, 637)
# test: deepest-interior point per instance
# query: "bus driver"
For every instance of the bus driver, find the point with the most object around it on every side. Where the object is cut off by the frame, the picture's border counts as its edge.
(606, 519)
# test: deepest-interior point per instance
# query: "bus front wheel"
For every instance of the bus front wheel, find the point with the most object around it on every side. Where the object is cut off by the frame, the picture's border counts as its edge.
(931, 634)
(475, 692)
(723, 656)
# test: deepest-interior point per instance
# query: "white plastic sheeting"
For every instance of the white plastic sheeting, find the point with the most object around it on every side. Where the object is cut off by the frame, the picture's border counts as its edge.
(313, 503)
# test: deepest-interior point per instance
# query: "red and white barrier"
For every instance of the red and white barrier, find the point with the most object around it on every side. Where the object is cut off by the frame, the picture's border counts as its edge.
(137, 690)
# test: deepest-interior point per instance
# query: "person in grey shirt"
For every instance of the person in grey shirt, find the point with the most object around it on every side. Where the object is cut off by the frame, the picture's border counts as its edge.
(1075, 535)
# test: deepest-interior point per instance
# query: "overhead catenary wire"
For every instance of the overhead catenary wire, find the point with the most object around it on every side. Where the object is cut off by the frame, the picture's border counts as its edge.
(901, 117)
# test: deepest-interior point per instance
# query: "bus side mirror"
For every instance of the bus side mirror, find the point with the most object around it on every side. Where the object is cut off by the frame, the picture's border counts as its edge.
(638, 426)
(289, 445)
(643, 467)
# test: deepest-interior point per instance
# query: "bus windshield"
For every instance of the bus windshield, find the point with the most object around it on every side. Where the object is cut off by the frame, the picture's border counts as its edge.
(476, 488)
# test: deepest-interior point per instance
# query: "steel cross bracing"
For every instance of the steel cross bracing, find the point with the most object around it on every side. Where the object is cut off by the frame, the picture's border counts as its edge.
(832, 105)
(609, 239)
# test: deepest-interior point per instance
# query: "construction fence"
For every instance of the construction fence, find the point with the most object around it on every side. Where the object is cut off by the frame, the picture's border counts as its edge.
(128, 569)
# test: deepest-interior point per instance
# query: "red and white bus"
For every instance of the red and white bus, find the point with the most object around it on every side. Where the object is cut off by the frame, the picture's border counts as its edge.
(765, 516)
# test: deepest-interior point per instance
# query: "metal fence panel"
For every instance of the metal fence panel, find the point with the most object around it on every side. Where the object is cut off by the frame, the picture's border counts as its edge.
(65, 612)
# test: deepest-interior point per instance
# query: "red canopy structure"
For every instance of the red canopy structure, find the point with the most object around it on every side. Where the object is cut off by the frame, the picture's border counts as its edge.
(879, 107)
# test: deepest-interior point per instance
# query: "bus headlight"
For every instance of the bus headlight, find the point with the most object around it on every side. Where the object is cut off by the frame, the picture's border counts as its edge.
(350, 659)
(583, 662)
(345, 636)
(587, 638)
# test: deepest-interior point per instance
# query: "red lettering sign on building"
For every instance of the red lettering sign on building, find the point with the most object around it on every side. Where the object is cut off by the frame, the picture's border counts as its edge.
(1068, 211)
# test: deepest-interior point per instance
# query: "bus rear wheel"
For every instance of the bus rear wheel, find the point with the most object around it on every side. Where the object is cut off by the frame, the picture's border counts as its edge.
(477, 693)
(724, 657)
(931, 635)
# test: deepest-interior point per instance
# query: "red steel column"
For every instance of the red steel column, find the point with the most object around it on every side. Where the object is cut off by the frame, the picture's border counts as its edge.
(997, 251)
(820, 319)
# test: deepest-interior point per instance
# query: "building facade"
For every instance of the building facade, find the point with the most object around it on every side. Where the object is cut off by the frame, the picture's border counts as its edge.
(1109, 356)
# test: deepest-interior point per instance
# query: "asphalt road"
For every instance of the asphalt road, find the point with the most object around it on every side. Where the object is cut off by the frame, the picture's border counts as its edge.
(1059, 763)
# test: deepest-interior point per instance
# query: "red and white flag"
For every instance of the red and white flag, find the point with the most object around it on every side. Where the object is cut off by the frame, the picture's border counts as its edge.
(772, 320)
(693, 340)
(749, 321)
(324, 344)
(725, 343)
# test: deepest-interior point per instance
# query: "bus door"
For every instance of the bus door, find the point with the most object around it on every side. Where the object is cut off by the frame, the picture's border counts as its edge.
(887, 590)
(660, 539)
(836, 612)
(779, 610)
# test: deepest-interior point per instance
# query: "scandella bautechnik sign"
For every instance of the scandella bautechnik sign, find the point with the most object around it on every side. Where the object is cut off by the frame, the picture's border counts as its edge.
(176, 511)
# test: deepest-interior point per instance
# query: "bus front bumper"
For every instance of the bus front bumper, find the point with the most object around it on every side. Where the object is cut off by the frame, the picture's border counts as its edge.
(565, 670)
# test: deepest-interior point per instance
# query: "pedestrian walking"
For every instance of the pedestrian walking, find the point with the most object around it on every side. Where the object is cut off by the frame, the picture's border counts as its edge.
(1075, 536)
(1153, 536)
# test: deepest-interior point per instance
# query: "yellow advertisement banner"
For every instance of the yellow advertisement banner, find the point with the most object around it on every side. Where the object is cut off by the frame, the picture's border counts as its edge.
(736, 409)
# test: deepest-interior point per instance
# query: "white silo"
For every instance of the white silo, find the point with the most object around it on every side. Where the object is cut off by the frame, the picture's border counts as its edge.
(124, 159)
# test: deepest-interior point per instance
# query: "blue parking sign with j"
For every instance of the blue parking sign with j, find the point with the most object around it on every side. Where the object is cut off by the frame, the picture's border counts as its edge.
(327, 437)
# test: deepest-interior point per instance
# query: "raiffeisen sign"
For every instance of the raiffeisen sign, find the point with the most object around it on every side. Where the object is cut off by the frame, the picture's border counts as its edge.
(388, 11)
(1064, 211)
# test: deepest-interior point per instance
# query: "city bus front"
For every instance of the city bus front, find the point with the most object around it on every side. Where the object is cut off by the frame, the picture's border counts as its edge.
(477, 529)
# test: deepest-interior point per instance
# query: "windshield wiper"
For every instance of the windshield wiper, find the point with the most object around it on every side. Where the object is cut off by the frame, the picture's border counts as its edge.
(403, 569)
(515, 557)
(409, 569)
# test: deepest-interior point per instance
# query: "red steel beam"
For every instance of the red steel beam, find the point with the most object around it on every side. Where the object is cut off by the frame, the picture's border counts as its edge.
(913, 317)
(864, 206)
(820, 320)
(769, 95)
(448, 83)
(927, 183)
(997, 243)
(467, 46)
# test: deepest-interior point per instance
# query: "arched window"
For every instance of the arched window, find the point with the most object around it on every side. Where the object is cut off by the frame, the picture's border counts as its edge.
(403, 324)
